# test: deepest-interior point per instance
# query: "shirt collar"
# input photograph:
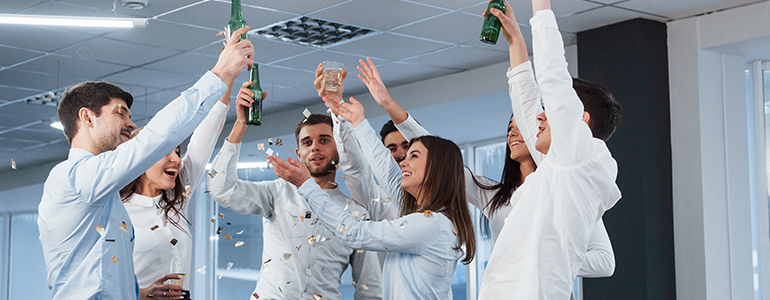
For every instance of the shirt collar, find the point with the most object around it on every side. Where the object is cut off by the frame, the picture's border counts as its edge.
(144, 201)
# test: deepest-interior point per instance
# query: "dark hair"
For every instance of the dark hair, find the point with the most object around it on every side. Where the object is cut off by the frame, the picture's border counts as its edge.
(92, 95)
(312, 119)
(387, 128)
(601, 105)
(171, 200)
(509, 181)
(444, 186)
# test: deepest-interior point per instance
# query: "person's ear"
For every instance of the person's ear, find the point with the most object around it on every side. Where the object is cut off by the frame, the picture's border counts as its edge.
(86, 116)
(296, 151)
(587, 118)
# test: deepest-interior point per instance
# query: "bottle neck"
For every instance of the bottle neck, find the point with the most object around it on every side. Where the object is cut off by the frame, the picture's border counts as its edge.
(255, 75)
(236, 12)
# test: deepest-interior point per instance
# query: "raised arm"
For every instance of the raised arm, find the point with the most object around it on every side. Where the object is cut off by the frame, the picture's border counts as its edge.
(600, 259)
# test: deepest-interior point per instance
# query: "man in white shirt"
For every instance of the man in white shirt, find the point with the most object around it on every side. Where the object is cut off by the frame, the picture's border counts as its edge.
(302, 259)
(85, 231)
(543, 242)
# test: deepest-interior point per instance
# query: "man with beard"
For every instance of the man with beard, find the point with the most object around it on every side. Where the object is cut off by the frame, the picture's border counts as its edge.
(302, 258)
(85, 231)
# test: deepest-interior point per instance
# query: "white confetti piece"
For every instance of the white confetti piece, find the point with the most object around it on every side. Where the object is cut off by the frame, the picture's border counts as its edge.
(239, 243)
(188, 190)
(260, 146)
(212, 173)
(306, 113)
(317, 296)
(354, 214)
(270, 141)
(201, 269)
(341, 228)
(286, 256)
(269, 151)
(229, 266)
(239, 232)
(100, 230)
(363, 286)
(402, 224)
(384, 200)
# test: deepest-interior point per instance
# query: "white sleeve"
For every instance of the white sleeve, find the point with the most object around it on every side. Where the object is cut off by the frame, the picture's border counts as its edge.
(600, 259)
(382, 164)
(411, 129)
(96, 177)
(201, 145)
(525, 103)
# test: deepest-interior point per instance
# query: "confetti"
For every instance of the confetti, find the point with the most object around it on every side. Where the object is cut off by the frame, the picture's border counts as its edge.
(114, 259)
(354, 283)
(13, 164)
(324, 239)
(229, 266)
(341, 176)
(317, 296)
(212, 173)
(308, 214)
(269, 151)
(206, 192)
(360, 251)
(301, 218)
(306, 113)
(188, 189)
(201, 269)
(300, 246)
(333, 183)
(403, 224)
(224, 198)
(286, 256)
(239, 232)
(109, 240)
(428, 213)
(272, 207)
(354, 214)
(220, 275)
(384, 200)
(221, 215)
(100, 230)
(239, 243)
(341, 228)
(174, 241)
(363, 286)
(280, 290)
(255, 295)
(123, 227)
(278, 141)
(219, 229)
(386, 249)
(214, 218)
(154, 227)
(311, 240)
(228, 223)
(260, 146)
(229, 237)
(120, 108)
(270, 141)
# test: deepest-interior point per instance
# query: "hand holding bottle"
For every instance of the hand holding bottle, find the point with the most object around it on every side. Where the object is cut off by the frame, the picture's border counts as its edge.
(235, 57)
(321, 87)
(244, 99)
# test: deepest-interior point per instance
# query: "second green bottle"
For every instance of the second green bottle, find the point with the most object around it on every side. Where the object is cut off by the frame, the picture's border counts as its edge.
(254, 113)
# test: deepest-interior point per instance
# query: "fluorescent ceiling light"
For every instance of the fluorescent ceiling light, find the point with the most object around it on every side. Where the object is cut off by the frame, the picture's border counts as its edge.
(247, 165)
(72, 21)
(57, 125)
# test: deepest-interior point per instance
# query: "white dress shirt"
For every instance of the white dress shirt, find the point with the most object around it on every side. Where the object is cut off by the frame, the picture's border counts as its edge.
(420, 260)
(87, 249)
(317, 258)
(153, 249)
(543, 242)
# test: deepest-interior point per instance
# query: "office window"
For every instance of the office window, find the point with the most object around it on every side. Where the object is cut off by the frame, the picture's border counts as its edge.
(27, 273)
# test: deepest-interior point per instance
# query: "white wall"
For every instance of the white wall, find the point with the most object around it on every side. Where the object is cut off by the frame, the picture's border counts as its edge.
(710, 150)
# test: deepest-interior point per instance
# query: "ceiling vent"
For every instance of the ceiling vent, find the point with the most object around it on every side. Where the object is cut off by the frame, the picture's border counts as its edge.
(134, 4)
(313, 32)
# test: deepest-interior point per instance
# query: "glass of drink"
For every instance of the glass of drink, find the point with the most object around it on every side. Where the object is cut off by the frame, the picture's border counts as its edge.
(178, 268)
(333, 75)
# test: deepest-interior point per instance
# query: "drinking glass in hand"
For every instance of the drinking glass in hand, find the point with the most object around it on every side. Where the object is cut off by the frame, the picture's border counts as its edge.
(333, 75)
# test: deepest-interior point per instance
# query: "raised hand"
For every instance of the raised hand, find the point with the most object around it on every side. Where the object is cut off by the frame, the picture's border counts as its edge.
(321, 88)
(245, 99)
(235, 57)
(160, 290)
(290, 170)
(371, 78)
(511, 30)
(353, 111)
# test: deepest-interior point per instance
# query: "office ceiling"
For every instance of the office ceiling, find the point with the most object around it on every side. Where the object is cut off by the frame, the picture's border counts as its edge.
(412, 40)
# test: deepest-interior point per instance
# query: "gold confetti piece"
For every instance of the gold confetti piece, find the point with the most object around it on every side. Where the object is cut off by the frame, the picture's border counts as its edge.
(239, 232)
(336, 166)
(360, 251)
(272, 207)
(286, 256)
(301, 218)
(212, 173)
(120, 108)
(354, 214)
(354, 283)
(188, 189)
(154, 227)
(311, 240)
(349, 132)
(428, 213)
(221, 215)
(342, 228)
(278, 141)
(317, 296)
(174, 241)
(229, 237)
(306, 113)
(269, 151)
(341, 176)
(239, 243)
(255, 295)
(300, 246)
(260, 146)
(206, 192)
(123, 227)
(229, 266)
(100, 230)
(201, 269)
(214, 218)
(114, 259)
(363, 286)
(386, 249)
(219, 229)
(225, 198)
(13, 164)
(280, 290)
(403, 224)
(270, 141)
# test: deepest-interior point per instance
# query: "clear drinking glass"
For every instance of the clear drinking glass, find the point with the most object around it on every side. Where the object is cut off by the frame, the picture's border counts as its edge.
(333, 75)
(179, 268)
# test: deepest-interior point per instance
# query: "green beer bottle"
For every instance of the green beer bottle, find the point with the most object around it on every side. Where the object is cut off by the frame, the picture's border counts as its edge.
(236, 19)
(254, 113)
(491, 29)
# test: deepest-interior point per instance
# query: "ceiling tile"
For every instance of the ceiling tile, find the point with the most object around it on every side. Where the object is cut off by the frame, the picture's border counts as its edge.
(18, 114)
(596, 18)
(296, 7)
(186, 63)
(113, 51)
(265, 50)
(369, 13)
(215, 15)
(464, 58)
(12, 7)
(681, 9)
(408, 72)
(19, 36)
(71, 66)
(390, 46)
(451, 4)
(12, 93)
(453, 28)
(11, 56)
(310, 61)
(33, 80)
(172, 35)
(150, 78)
(95, 4)
(155, 8)
(523, 9)
(68, 9)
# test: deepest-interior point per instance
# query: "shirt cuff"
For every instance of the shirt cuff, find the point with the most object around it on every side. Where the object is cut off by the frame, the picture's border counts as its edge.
(408, 120)
(543, 19)
(362, 129)
(211, 84)
(308, 187)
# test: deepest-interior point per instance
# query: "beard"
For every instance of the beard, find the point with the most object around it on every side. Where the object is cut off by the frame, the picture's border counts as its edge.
(325, 170)
(108, 141)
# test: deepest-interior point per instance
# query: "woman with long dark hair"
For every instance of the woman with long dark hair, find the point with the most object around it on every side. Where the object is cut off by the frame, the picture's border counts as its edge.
(428, 238)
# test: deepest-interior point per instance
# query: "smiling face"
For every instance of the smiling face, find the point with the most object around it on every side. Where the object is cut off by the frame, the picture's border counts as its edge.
(515, 141)
(544, 135)
(317, 149)
(397, 144)
(113, 126)
(160, 176)
(413, 169)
